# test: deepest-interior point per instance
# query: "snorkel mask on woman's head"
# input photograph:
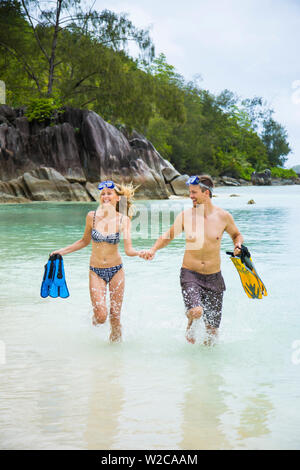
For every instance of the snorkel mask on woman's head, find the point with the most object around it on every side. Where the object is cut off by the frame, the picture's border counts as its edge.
(106, 184)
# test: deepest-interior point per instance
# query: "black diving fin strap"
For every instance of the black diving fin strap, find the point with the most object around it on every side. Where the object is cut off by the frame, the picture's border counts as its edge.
(244, 253)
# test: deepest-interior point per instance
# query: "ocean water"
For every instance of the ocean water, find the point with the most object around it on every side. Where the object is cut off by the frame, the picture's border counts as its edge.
(64, 386)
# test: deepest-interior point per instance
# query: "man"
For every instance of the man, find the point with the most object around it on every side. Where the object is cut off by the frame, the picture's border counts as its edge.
(201, 280)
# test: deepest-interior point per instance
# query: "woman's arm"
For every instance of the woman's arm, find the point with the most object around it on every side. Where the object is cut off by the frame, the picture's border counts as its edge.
(79, 244)
(129, 250)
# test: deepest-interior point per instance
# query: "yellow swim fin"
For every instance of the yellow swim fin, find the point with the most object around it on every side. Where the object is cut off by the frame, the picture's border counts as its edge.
(251, 282)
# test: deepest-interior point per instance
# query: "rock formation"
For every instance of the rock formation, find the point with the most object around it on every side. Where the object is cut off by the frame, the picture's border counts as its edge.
(65, 161)
(261, 179)
(265, 179)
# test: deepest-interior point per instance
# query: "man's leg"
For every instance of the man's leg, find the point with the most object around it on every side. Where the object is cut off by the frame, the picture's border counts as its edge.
(191, 293)
(192, 315)
(211, 335)
(212, 316)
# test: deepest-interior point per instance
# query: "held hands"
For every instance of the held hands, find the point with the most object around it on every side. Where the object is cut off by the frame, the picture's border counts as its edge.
(147, 254)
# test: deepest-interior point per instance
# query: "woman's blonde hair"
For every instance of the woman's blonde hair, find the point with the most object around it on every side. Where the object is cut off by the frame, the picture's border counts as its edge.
(126, 191)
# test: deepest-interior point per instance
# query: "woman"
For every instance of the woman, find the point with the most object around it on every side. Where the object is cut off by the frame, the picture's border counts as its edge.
(103, 228)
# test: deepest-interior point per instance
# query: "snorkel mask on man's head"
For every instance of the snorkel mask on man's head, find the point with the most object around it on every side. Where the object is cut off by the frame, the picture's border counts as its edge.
(196, 180)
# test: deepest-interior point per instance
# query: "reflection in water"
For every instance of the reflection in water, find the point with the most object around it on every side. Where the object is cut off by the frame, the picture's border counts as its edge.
(214, 418)
(104, 405)
(247, 420)
(203, 407)
(254, 417)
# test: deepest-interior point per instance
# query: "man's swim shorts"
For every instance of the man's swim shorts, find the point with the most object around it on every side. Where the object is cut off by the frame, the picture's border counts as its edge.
(206, 291)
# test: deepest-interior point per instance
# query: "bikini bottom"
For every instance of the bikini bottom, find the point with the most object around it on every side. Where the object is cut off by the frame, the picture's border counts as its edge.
(106, 273)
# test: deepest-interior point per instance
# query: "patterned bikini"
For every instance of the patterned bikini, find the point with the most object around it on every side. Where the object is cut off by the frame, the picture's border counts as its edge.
(113, 238)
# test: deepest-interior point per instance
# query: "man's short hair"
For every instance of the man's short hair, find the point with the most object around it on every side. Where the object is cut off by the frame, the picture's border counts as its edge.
(207, 180)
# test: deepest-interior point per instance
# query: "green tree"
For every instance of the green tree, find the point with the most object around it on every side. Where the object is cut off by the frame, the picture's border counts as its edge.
(159, 132)
(169, 95)
(17, 53)
(106, 28)
(33, 38)
(274, 137)
(81, 60)
(216, 137)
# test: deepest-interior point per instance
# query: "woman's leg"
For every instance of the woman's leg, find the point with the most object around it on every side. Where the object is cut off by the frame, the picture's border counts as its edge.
(116, 290)
(98, 298)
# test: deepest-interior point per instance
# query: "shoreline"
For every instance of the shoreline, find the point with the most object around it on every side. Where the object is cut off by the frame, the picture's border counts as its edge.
(57, 163)
(18, 201)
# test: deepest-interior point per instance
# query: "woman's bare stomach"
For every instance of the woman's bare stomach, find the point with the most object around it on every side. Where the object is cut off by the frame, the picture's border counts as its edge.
(105, 256)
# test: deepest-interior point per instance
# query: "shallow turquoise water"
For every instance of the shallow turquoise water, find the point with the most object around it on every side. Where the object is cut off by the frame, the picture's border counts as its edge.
(63, 386)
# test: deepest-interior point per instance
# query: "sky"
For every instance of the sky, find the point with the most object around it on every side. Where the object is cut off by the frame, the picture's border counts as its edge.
(250, 47)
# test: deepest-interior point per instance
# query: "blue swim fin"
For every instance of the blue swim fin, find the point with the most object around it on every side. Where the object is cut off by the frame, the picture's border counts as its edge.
(48, 277)
(59, 287)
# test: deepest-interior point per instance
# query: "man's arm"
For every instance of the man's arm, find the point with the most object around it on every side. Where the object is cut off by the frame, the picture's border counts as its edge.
(166, 237)
(235, 234)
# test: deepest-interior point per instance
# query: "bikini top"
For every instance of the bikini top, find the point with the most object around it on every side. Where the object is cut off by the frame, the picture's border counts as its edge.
(98, 237)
